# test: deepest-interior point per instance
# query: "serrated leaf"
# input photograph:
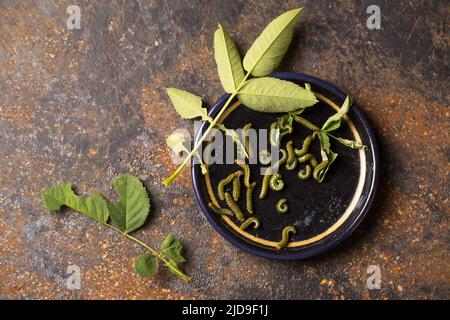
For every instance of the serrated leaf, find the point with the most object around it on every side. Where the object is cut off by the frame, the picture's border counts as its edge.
(334, 122)
(268, 50)
(351, 143)
(175, 142)
(187, 105)
(93, 206)
(229, 65)
(172, 248)
(146, 265)
(275, 95)
(132, 209)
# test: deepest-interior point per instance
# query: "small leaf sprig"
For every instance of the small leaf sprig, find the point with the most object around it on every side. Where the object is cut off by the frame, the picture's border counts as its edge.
(128, 214)
(262, 93)
(333, 123)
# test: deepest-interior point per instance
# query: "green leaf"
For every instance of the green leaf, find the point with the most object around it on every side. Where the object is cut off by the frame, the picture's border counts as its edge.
(351, 143)
(146, 265)
(175, 142)
(324, 141)
(93, 206)
(172, 248)
(330, 156)
(334, 122)
(268, 50)
(275, 95)
(228, 61)
(187, 105)
(132, 209)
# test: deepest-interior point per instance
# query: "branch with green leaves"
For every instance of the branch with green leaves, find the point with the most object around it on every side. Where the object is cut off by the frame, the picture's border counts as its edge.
(261, 93)
(127, 215)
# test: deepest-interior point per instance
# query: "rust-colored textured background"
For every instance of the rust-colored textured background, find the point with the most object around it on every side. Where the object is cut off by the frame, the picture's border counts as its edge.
(84, 106)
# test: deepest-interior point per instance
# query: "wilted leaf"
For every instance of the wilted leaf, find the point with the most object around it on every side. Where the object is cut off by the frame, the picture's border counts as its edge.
(172, 248)
(334, 122)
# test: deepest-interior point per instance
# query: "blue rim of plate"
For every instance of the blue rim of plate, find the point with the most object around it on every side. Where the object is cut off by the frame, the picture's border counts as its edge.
(370, 141)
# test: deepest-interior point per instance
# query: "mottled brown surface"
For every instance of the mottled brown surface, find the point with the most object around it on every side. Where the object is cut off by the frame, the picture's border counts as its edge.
(83, 106)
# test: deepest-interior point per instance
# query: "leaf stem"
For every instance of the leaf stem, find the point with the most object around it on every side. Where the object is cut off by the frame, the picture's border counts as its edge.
(212, 124)
(173, 268)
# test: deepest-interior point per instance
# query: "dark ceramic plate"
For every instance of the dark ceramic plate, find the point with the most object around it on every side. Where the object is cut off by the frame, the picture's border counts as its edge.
(324, 214)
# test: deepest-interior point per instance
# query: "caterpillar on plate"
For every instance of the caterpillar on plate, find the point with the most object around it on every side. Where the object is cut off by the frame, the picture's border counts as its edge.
(276, 182)
(247, 139)
(290, 153)
(285, 236)
(222, 185)
(307, 157)
(220, 211)
(265, 183)
(246, 169)
(282, 160)
(282, 206)
(249, 198)
(304, 150)
(265, 157)
(234, 207)
(274, 134)
(237, 185)
(319, 168)
(248, 222)
(305, 174)
(293, 165)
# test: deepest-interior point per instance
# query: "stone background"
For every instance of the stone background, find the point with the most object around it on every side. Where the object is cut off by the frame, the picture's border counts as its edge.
(84, 106)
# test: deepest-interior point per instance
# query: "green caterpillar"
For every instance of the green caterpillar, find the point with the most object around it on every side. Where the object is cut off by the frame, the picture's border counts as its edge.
(249, 198)
(248, 222)
(282, 206)
(265, 157)
(290, 152)
(221, 211)
(305, 174)
(319, 168)
(276, 182)
(234, 207)
(285, 236)
(274, 135)
(304, 150)
(265, 184)
(222, 185)
(293, 165)
(246, 139)
(308, 157)
(246, 169)
(306, 123)
(237, 185)
(282, 160)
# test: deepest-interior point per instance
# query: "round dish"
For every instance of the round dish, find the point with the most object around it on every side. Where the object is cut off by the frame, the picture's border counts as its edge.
(324, 213)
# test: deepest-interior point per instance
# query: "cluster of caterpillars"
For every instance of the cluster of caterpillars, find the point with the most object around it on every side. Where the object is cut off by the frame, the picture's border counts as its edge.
(229, 188)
